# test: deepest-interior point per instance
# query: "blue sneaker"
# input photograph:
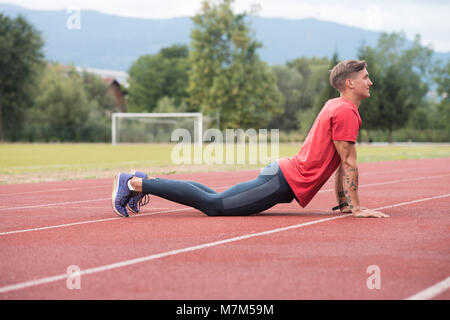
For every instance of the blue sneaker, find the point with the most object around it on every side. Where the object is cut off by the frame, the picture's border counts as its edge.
(138, 200)
(121, 194)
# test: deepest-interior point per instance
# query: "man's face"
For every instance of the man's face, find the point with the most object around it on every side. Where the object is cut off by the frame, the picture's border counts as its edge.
(361, 84)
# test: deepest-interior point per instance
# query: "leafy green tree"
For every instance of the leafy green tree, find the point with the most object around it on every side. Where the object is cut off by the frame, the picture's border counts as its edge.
(101, 104)
(167, 104)
(315, 73)
(322, 91)
(289, 82)
(21, 58)
(97, 89)
(153, 77)
(399, 75)
(61, 107)
(371, 109)
(420, 118)
(69, 108)
(442, 78)
(227, 75)
(328, 92)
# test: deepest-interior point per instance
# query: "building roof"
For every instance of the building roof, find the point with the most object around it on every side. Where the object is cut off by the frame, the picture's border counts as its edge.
(120, 76)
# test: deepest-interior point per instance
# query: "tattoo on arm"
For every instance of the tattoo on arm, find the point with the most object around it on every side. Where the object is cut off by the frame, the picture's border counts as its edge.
(341, 197)
(350, 186)
(339, 190)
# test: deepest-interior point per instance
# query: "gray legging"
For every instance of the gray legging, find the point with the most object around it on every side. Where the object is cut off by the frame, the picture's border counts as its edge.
(250, 197)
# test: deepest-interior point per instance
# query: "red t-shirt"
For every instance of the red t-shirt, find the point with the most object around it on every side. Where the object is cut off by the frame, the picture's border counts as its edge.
(317, 159)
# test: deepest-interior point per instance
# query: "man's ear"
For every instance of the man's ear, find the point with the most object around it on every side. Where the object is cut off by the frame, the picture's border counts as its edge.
(349, 82)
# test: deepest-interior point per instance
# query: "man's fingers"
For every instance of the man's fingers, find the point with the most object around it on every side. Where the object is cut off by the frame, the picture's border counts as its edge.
(365, 213)
(379, 214)
(383, 215)
(371, 214)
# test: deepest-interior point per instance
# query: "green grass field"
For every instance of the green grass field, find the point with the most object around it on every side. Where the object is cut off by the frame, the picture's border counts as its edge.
(49, 162)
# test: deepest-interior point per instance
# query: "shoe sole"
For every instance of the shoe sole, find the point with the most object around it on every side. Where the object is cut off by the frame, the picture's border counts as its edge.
(114, 194)
(131, 210)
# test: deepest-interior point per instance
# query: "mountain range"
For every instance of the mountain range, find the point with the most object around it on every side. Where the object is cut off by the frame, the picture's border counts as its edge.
(113, 42)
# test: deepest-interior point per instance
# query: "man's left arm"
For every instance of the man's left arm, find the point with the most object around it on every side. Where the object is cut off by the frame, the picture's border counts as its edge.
(339, 192)
(347, 152)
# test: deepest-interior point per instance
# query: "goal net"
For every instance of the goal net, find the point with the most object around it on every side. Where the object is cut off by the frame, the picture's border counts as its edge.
(155, 127)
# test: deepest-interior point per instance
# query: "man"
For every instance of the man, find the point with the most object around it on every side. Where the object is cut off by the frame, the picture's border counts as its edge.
(329, 147)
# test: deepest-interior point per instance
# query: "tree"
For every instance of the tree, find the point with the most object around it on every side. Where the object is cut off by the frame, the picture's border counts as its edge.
(69, 106)
(289, 82)
(97, 90)
(101, 104)
(328, 92)
(398, 74)
(442, 78)
(21, 58)
(168, 105)
(315, 74)
(227, 75)
(153, 77)
(61, 107)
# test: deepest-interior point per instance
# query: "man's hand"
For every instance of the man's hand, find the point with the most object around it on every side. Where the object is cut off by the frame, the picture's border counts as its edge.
(364, 213)
(367, 213)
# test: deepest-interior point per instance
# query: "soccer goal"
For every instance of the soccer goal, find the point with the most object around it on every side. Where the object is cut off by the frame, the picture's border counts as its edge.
(154, 127)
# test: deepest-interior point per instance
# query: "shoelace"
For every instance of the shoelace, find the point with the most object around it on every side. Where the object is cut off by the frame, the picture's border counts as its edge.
(144, 200)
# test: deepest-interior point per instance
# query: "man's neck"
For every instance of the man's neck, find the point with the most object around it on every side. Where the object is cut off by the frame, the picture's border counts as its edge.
(349, 96)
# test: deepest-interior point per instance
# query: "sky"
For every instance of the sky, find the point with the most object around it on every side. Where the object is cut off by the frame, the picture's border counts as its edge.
(429, 18)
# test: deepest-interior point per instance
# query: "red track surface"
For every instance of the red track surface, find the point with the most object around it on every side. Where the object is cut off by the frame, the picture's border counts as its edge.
(47, 227)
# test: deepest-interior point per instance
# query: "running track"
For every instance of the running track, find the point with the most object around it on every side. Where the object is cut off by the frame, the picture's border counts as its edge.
(171, 251)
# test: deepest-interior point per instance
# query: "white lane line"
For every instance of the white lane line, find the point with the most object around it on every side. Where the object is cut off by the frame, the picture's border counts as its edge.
(108, 185)
(321, 191)
(53, 204)
(393, 181)
(88, 221)
(125, 263)
(432, 291)
(115, 218)
(413, 201)
(50, 190)
(167, 210)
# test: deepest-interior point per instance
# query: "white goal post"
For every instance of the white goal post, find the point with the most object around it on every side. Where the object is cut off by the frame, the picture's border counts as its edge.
(120, 115)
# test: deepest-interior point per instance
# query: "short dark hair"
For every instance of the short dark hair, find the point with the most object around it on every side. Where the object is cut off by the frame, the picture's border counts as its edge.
(342, 70)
